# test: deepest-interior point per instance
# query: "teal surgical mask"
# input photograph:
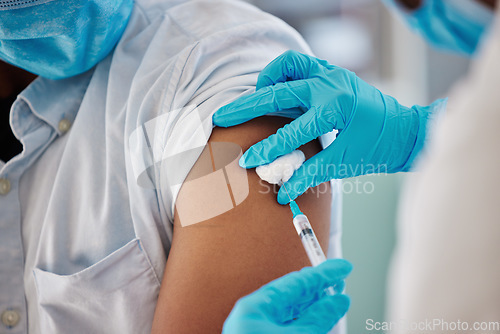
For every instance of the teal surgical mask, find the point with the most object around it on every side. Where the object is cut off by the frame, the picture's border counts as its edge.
(454, 25)
(60, 38)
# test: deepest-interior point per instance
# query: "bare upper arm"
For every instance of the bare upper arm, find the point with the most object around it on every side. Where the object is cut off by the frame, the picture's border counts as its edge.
(215, 262)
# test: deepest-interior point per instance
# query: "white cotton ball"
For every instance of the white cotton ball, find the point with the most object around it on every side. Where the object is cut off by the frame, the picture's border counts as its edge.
(281, 170)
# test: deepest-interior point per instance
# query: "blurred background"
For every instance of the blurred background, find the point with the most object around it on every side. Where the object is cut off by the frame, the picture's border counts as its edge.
(365, 37)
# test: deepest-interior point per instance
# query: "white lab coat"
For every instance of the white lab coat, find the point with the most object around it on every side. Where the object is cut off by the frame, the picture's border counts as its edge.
(447, 262)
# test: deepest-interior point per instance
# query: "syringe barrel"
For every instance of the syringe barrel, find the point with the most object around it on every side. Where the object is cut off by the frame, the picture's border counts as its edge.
(309, 240)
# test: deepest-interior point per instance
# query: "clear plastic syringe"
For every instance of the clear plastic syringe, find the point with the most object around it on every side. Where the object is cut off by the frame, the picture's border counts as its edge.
(308, 238)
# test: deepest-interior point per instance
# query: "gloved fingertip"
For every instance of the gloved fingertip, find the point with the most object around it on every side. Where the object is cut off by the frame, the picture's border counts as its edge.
(343, 302)
(347, 266)
(218, 119)
(339, 268)
(250, 160)
(242, 161)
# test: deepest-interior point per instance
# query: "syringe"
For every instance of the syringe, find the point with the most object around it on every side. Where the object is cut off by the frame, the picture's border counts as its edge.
(308, 238)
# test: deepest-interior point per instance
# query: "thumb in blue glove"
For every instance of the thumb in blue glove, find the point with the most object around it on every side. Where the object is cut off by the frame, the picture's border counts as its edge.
(294, 303)
(376, 133)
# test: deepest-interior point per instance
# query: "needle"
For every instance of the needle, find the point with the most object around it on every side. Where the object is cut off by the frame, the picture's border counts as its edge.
(286, 192)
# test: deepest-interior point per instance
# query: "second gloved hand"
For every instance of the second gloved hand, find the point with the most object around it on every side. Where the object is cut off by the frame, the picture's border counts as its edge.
(294, 303)
(376, 133)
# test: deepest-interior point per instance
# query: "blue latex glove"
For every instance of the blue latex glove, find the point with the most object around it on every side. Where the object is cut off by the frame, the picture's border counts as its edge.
(295, 303)
(376, 133)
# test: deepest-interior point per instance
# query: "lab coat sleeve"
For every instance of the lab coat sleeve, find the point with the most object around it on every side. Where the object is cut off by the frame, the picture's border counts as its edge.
(446, 272)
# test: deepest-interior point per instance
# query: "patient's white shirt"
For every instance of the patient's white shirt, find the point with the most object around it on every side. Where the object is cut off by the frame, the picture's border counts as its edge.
(86, 217)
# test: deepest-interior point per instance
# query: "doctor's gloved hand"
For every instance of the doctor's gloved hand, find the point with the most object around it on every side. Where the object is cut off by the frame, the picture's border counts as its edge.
(375, 133)
(294, 303)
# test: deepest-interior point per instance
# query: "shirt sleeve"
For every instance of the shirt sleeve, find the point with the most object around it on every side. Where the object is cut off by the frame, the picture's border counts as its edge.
(233, 43)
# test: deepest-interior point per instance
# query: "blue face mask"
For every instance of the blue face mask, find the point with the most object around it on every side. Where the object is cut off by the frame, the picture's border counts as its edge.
(454, 25)
(60, 38)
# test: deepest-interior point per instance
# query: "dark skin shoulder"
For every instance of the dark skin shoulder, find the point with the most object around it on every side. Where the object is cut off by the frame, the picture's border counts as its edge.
(214, 262)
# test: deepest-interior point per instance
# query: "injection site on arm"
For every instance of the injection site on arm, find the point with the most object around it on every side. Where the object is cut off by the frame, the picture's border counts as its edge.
(215, 262)
(278, 172)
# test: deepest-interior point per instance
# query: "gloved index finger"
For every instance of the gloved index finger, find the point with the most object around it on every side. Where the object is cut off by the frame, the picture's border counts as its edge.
(290, 65)
(288, 138)
(270, 99)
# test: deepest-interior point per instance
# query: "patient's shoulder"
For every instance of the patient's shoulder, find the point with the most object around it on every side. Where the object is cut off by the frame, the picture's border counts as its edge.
(202, 18)
(236, 236)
